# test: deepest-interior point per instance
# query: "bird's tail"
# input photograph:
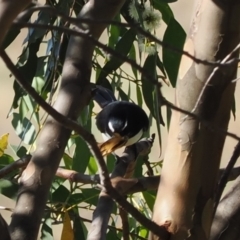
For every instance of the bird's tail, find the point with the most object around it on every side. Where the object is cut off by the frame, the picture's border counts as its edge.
(103, 96)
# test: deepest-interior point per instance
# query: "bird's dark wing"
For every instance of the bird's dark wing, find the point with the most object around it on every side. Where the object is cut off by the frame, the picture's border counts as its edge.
(103, 96)
(112, 144)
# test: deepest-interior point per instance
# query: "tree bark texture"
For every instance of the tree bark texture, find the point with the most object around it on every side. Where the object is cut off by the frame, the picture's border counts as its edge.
(73, 95)
(226, 221)
(184, 203)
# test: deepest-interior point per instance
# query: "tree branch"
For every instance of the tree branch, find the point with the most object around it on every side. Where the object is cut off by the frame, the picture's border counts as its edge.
(226, 221)
(225, 175)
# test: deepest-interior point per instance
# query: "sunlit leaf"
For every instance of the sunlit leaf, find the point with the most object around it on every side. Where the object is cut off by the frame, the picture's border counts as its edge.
(24, 129)
(92, 166)
(67, 231)
(3, 143)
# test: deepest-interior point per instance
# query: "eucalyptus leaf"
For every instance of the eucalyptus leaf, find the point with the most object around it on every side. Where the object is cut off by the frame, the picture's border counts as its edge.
(123, 46)
(81, 155)
(8, 188)
(24, 128)
(173, 36)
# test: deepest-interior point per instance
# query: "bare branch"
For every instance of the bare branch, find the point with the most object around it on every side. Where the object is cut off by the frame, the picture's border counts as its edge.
(125, 225)
(226, 221)
(20, 163)
(4, 229)
(225, 176)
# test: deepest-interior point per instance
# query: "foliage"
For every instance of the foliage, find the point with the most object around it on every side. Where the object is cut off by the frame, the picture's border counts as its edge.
(43, 70)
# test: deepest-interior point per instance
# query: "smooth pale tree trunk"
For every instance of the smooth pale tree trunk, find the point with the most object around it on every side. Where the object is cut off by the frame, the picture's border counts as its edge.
(184, 203)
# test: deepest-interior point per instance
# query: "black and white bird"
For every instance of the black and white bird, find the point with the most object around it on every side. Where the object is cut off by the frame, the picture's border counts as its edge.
(121, 123)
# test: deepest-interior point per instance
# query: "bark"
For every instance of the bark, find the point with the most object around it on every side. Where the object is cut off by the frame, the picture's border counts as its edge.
(73, 95)
(9, 9)
(184, 202)
(226, 221)
(4, 229)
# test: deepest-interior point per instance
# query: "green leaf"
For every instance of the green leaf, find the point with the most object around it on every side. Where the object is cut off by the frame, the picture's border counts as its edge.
(138, 171)
(113, 35)
(11, 35)
(132, 55)
(32, 106)
(139, 95)
(37, 33)
(92, 166)
(67, 161)
(60, 195)
(165, 10)
(169, 1)
(112, 234)
(79, 229)
(27, 66)
(46, 230)
(76, 198)
(81, 155)
(23, 109)
(21, 152)
(123, 95)
(147, 87)
(174, 36)
(123, 46)
(24, 129)
(169, 115)
(90, 195)
(8, 188)
(149, 197)
(5, 159)
(160, 66)
(111, 161)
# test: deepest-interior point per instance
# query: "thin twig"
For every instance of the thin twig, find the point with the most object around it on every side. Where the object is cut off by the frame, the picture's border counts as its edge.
(20, 163)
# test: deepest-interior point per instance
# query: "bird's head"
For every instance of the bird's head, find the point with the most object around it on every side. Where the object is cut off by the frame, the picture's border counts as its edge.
(117, 125)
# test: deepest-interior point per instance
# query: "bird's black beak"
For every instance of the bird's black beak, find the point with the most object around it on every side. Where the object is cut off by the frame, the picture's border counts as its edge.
(112, 144)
